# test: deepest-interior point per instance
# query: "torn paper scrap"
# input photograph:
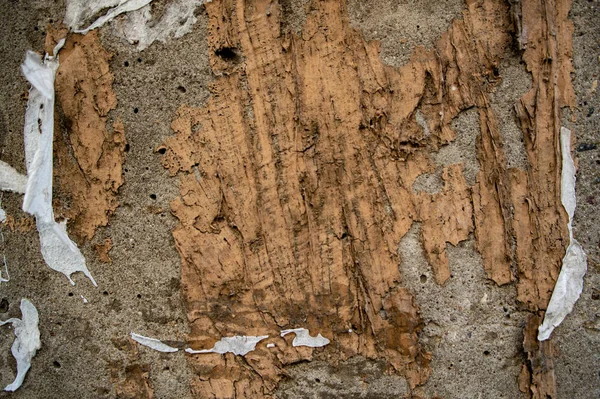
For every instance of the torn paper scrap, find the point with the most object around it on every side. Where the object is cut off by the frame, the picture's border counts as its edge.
(153, 343)
(11, 180)
(140, 27)
(59, 252)
(574, 265)
(303, 338)
(2, 216)
(238, 345)
(78, 11)
(27, 341)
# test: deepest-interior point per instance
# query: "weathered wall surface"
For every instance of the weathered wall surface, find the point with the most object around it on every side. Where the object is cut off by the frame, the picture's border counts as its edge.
(276, 168)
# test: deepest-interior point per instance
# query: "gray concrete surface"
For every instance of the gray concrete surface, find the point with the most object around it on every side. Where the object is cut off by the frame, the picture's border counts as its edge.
(473, 328)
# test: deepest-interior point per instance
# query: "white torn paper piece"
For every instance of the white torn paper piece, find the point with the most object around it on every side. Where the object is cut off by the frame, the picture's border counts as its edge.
(27, 341)
(11, 180)
(153, 343)
(303, 338)
(574, 265)
(2, 216)
(79, 11)
(140, 28)
(59, 252)
(238, 345)
(270, 345)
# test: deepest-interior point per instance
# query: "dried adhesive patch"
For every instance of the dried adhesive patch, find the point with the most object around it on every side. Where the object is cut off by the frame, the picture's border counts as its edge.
(27, 341)
(143, 27)
(90, 154)
(80, 11)
(296, 183)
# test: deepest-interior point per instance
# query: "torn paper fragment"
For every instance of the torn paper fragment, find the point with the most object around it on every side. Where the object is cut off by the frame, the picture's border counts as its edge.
(59, 252)
(140, 27)
(153, 343)
(123, 7)
(574, 265)
(303, 338)
(270, 345)
(11, 180)
(238, 345)
(27, 341)
(84, 299)
(2, 216)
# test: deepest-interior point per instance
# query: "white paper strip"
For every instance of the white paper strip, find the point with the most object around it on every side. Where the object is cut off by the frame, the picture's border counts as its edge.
(574, 265)
(303, 338)
(11, 180)
(238, 345)
(153, 343)
(59, 252)
(26, 343)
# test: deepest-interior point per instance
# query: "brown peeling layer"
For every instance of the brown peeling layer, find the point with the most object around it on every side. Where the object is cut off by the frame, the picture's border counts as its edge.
(89, 155)
(546, 37)
(103, 249)
(446, 217)
(129, 377)
(296, 188)
(537, 378)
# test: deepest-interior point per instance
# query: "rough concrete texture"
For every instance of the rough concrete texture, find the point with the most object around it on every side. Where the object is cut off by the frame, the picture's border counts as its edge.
(472, 327)
(578, 366)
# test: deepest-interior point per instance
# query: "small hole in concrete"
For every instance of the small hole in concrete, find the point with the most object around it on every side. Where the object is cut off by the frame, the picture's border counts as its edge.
(4, 305)
(317, 380)
(126, 63)
(162, 150)
(70, 294)
(56, 364)
(153, 196)
(126, 148)
(135, 110)
(486, 353)
(139, 296)
(423, 278)
(139, 60)
(105, 293)
(181, 89)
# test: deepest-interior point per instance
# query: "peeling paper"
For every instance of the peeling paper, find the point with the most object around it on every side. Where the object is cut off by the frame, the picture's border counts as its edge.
(238, 345)
(153, 343)
(59, 252)
(78, 11)
(303, 338)
(27, 341)
(11, 180)
(139, 27)
(574, 265)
